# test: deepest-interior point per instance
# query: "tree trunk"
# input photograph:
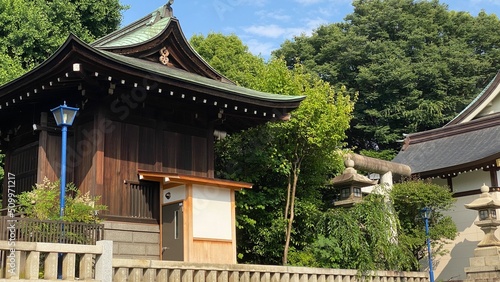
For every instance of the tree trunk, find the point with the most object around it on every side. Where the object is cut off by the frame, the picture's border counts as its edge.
(288, 192)
(296, 171)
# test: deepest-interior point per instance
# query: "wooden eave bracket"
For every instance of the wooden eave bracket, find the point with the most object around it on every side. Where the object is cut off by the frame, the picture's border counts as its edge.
(175, 178)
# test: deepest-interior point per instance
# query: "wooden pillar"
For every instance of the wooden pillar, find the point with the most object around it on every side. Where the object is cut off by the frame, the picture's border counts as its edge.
(98, 158)
(43, 161)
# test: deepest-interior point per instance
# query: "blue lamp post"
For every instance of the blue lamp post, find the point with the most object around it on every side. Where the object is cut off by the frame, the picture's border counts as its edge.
(426, 215)
(64, 117)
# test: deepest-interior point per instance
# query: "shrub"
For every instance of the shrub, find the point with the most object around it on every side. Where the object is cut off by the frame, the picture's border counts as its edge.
(43, 203)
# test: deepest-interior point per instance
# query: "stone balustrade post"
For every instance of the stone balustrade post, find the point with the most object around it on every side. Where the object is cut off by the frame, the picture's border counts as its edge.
(104, 262)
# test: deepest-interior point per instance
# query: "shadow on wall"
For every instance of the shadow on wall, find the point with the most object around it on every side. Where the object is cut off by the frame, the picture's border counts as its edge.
(459, 259)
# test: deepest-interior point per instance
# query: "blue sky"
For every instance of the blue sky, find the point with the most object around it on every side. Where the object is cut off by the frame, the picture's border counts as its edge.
(263, 25)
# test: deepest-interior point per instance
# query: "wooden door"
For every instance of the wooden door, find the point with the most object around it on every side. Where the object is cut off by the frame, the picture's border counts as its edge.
(172, 232)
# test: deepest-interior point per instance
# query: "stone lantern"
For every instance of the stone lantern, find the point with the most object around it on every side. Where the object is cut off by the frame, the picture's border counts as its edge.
(350, 183)
(486, 207)
(485, 263)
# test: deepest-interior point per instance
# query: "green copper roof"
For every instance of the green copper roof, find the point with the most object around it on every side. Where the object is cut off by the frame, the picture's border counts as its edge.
(137, 32)
(139, 35)
(185, 76)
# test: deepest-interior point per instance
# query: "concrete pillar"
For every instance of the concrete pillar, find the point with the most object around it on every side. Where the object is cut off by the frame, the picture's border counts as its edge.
(121, 274)
(104, 262)
(32, 265)
(86, 267)
(50, 267)
(13, 264)
(68, 266)
(386, 180)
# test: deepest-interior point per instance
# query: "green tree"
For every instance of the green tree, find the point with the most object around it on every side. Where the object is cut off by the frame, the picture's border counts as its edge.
(30, 31)
(360, 237)
(228, 55)
(294, 155)
(10, 69)
(415, 64)
(409, 198)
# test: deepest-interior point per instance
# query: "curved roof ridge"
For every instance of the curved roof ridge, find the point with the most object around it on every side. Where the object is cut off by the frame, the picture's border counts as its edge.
(477, 103)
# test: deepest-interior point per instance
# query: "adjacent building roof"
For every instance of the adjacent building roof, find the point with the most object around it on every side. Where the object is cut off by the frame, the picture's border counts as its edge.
(470, 141)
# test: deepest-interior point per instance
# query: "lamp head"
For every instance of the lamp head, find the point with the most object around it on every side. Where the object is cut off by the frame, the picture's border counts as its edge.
(426, 213)
(64, 115)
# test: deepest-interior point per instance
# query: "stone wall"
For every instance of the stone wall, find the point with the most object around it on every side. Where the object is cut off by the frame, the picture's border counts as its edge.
(133, 240)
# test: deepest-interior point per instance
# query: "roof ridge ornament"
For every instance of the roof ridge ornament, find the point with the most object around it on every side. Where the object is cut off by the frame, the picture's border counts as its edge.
(164, 11)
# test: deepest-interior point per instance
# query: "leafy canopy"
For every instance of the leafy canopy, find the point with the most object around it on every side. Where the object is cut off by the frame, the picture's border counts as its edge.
(32, 30)
(409, 198)
(289, 162)
(414, 63)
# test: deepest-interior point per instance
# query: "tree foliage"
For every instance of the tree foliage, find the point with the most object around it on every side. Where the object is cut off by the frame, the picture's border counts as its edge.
(290, 161)
(360, 237)
(41, 203)
(415, 64)
(409, 199)
(30, 31)
(365, 237)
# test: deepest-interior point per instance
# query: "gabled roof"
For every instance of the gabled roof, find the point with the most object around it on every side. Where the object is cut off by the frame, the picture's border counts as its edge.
(487, 102)
(454, 148)
(470, 141)
(151, 54)
(146, 37)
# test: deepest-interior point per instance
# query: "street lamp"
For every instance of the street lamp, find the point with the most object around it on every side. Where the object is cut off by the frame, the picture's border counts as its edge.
(426, 215)
(64, 116)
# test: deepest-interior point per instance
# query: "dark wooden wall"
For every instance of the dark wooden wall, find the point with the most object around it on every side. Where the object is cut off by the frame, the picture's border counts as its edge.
(129, 148)
(104, 156)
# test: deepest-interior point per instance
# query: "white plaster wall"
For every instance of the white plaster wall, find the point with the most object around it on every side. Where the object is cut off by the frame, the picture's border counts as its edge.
(212, 213)
(471, 180)
(174, 194)
(451, 266)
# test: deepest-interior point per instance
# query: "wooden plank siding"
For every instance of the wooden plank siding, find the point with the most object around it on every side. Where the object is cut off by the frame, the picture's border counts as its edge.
(130, 147)
(104, 155)
(81, 158)
(23, 163)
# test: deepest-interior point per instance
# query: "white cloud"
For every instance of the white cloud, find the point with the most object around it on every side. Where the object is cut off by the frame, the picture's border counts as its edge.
(308, 2)
(275, 31)
(274, 15)
(260, 48)
(272, 31)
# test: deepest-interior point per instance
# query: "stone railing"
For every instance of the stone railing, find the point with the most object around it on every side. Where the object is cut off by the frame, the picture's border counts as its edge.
(23, 261)
(33, 261)
(168, 271)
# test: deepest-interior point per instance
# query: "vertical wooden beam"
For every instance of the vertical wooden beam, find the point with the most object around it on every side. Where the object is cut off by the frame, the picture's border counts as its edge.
(494, 177)
(449, 179)
(188, 223)
(159, 144)
(43, 161)
(98, 159)
(210, 151)
(233, 224)
(160, 197)
(7, 169)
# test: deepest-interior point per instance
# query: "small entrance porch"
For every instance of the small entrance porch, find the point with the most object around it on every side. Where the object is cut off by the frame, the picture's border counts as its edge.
(197, 220)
